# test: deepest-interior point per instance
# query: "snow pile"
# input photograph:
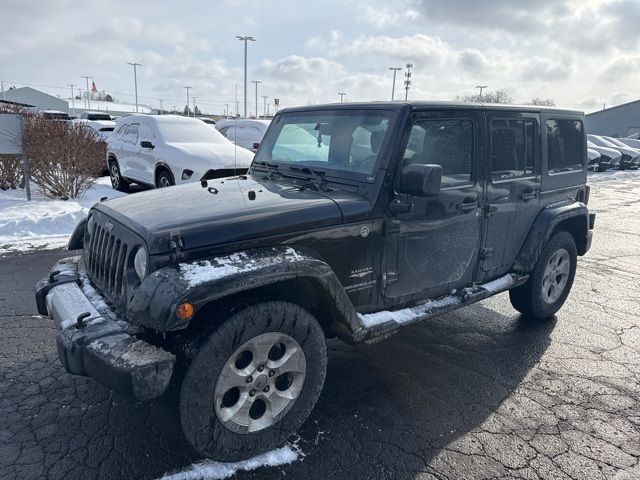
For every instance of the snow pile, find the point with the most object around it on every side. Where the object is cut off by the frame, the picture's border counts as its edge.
(209, 270)
(210, 470)
(44, 223)
(92, 294)
(613, 176)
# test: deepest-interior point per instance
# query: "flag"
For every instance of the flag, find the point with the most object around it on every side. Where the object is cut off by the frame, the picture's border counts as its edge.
(94, 89)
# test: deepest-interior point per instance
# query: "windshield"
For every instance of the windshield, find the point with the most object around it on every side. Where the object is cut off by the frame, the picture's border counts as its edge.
(189, 132)
(98, 116)
(339, 143)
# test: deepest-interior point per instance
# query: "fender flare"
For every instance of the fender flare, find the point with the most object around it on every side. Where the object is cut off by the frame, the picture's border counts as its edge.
(203, 281)
(162, 164)
(544, 225)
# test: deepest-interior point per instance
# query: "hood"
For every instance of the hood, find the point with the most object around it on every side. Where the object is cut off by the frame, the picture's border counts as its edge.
(220, 155)
(205, 218)
(609, 152)
(592, 154)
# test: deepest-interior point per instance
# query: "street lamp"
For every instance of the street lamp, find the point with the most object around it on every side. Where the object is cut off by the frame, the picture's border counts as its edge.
(481, 87)
(256, 82)
(135, 79)
(245, 39)
(342, 94)
(86, 77)
(188, 88)
(393, 86)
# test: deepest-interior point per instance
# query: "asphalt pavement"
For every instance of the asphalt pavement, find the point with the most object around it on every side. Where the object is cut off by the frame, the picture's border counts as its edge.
(480, 393)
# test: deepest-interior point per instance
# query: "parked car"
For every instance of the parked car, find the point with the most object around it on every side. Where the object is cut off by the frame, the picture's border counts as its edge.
(208, 121)
(595, 161)
(168, 149)
(629, 158)
(635, 160)
(245, 132)
(235, 283)
(631, 142)
(609, 157)
(55, 115)
(100, 122)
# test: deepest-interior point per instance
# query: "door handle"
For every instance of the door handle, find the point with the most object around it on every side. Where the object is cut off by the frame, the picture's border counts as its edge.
(529, 195)
(468, 206)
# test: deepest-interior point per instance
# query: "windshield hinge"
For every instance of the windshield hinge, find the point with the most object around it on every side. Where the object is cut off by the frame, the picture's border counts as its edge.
(176, 244)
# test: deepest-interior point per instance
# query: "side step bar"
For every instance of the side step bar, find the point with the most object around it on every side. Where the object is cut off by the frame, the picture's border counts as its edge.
(378, 324)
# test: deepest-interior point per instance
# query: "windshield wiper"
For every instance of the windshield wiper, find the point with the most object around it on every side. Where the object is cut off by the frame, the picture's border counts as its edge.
(272, 168)
(317, 175)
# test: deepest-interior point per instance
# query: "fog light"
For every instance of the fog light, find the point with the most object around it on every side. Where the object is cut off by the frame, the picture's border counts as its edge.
(185, 311)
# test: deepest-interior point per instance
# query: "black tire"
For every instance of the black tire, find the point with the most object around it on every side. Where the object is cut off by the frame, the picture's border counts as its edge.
(201, 423)
(529, 298)
(164, 179)
(118, 182)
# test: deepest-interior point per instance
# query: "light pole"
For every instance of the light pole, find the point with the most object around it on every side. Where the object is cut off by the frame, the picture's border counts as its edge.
(235, 114)
(73, 103)
(135, 79)
(188, 88)
(161, 110)
(264, 108)
(481, 87)
(88, 100)
(245, 39)
(342, 94)
(393, 85)
(194, 107)
(407, 82)
(256, 82)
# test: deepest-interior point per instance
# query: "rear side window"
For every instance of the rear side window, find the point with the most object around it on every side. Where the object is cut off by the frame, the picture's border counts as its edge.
(565, 142)
(512, 148)
(448, 143)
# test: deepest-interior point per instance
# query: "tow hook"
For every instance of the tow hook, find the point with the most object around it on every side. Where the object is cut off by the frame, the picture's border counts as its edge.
(80, 319)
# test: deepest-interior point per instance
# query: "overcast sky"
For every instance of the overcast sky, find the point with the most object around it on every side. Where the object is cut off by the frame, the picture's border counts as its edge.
(581, 53)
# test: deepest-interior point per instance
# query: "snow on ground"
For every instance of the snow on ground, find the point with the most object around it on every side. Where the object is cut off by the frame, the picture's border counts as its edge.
(210, 470)
(44, 223)
(612, 176)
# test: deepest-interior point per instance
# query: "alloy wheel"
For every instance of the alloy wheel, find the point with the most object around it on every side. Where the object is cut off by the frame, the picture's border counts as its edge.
(555, 276)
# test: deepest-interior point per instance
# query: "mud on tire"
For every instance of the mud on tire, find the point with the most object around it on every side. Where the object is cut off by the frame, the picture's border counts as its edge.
(206, 396)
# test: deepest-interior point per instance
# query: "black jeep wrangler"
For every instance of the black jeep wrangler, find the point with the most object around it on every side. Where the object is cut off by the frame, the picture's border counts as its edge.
(353, 220)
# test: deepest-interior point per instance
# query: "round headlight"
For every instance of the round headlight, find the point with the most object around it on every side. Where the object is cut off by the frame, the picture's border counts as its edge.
(140, 263)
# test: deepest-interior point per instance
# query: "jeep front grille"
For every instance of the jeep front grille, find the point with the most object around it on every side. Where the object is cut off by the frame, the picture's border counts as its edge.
(107, 256)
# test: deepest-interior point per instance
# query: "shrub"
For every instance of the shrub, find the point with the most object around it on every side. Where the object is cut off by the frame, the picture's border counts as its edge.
(10, 171)
(64, 157)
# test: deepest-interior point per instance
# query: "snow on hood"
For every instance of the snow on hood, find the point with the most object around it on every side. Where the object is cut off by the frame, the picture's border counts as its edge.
(204, 155)
(592, 154)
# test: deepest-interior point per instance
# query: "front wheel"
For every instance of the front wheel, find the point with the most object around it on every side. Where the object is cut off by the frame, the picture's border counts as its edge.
(254, 381)
(550, 281)
(118, 182)
(164, 179)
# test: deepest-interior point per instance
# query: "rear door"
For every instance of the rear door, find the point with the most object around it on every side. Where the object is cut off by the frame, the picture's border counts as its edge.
(432, 247)
(513, 186)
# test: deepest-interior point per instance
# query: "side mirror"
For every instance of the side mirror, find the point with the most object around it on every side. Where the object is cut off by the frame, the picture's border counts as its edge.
(421, 180)
(146, 144)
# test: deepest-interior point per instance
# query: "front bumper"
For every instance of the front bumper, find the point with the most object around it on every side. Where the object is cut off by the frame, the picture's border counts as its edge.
(95, 342)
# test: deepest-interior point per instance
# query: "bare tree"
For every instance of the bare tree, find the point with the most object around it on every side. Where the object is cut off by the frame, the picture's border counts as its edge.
(542, 102)
(491, 96)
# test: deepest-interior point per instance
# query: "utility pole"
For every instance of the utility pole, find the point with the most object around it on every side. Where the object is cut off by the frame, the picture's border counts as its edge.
(226, 110)
(73, 103)
(194, 107)
(393, 85)
(245, 39)
(407, 82)
(88, 104)
(256, 82)
(481, 87)
(135, 79)
(264, 108)
(188, 88)
(161, 110)
(342, 94)
(2, 88)
(237, 103)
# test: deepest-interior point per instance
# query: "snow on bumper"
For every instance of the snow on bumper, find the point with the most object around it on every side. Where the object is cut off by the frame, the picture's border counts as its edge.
(94, 342)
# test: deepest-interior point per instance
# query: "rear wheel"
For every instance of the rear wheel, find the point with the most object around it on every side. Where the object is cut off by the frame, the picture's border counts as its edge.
(164, 179)
(254, 381)
(118, 182)
(550, 281)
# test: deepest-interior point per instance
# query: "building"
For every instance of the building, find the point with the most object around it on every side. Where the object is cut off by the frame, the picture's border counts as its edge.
(619, 121)
(31, 96)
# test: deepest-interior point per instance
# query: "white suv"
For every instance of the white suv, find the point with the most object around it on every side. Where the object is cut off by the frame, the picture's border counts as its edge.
(169, 149)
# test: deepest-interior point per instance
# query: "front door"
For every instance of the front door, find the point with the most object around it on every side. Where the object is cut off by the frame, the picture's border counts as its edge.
(513, 187)
(433, 247)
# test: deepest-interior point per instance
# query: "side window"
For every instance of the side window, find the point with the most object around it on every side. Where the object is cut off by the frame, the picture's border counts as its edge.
(121, 132)
(565, 142)
(448, 143)
(512, 148)
(132, 133)
(146, 133)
